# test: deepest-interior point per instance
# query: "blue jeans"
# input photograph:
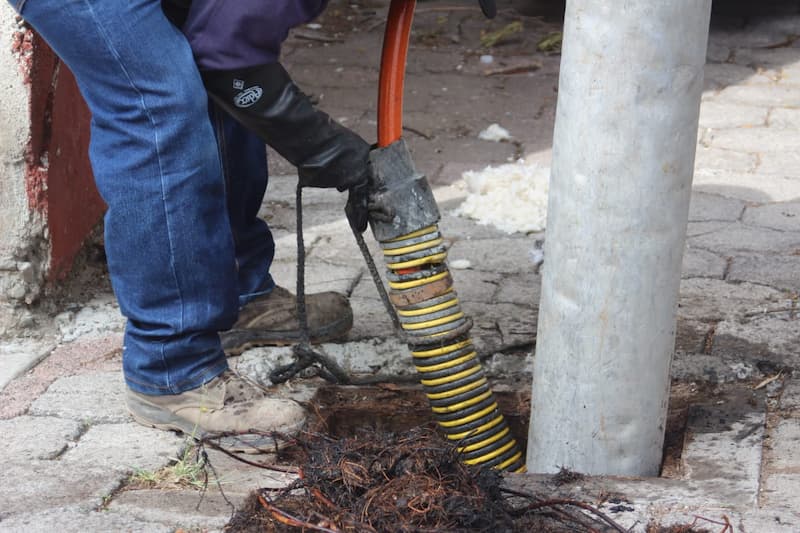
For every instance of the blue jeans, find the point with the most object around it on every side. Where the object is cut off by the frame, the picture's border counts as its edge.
(184, 246)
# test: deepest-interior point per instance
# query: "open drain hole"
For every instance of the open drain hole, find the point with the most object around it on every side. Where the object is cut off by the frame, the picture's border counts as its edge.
(344, 411)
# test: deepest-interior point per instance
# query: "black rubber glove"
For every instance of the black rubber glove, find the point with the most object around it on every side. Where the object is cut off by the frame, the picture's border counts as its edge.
(363, 205)
(266, 100)
(357, 207)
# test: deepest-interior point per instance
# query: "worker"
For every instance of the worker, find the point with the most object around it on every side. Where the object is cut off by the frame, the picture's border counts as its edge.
(183, 181)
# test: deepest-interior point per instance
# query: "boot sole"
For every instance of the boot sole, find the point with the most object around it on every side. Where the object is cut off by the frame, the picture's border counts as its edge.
(155, 417)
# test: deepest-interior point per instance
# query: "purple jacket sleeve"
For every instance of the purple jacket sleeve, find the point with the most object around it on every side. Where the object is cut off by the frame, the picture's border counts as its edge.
(237, 34)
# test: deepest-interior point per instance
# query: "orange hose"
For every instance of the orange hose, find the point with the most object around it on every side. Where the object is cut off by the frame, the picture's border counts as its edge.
(393, 69)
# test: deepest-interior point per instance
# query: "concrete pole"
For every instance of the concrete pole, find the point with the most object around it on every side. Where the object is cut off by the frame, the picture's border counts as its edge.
(623, 155)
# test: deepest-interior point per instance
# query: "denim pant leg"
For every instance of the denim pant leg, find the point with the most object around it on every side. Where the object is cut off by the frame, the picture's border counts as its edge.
(156, 163)
(244, 163)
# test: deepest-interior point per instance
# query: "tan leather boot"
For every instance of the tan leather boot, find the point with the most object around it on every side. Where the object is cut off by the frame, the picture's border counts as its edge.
(271, 320)
(227, 404)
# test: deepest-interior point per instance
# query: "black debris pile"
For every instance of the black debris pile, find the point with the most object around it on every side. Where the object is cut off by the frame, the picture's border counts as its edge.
(405, 482)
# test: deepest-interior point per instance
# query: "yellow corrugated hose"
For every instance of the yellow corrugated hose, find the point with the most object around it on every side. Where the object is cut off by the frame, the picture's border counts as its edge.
(450, 371)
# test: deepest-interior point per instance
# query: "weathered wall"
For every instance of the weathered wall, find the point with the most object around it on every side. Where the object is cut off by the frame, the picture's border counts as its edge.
(22, 229)
(48, 202)
(59, 142)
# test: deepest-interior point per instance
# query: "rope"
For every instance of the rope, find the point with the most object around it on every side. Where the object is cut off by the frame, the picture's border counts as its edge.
(376, 278)
(305, 355)
(305, 335)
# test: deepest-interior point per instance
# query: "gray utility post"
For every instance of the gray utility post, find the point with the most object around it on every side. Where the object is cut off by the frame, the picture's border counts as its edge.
(623, 156)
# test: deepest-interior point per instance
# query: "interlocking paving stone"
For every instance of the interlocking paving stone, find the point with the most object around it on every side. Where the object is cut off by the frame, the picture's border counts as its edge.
(17, 357)
(665, 500)
(510, 366)
(755, 187)
(785, 118)
(768, 339)
(523, 289)
(478, 285)
(772, 521)
(340, 248)
(737, 237)
(690, 335)
(790, 398)
(782, 491)
(34, 437)
(388, 356)
(702, 264)
(699, 228)
(711, 299)
(125, 447)
(498, 326)
(783, 164)
(760, 95)
(83, 355)
(691, 366)
(723, 445)
(759, 56)
(239, 478)
(705, 207)
(185, 510)
(78, 520)
(717, 158)
(37, 485)
(783, 216)
(784, 449)
(90, 398)
(779, 271)
(718, 115)
(493, 254)
(757, 139)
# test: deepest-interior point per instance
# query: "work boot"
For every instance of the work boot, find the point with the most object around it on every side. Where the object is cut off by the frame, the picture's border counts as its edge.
(271, 320)
(226, 404)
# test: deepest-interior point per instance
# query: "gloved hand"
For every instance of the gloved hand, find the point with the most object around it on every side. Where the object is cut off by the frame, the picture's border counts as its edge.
(357, 207)
(266, 100)
(362, 206)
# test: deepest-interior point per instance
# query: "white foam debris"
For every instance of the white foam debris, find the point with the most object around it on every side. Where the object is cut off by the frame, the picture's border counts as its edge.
(536, 255)
(487, 59)
(459, 264)
(496, 133)
(511, 197)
